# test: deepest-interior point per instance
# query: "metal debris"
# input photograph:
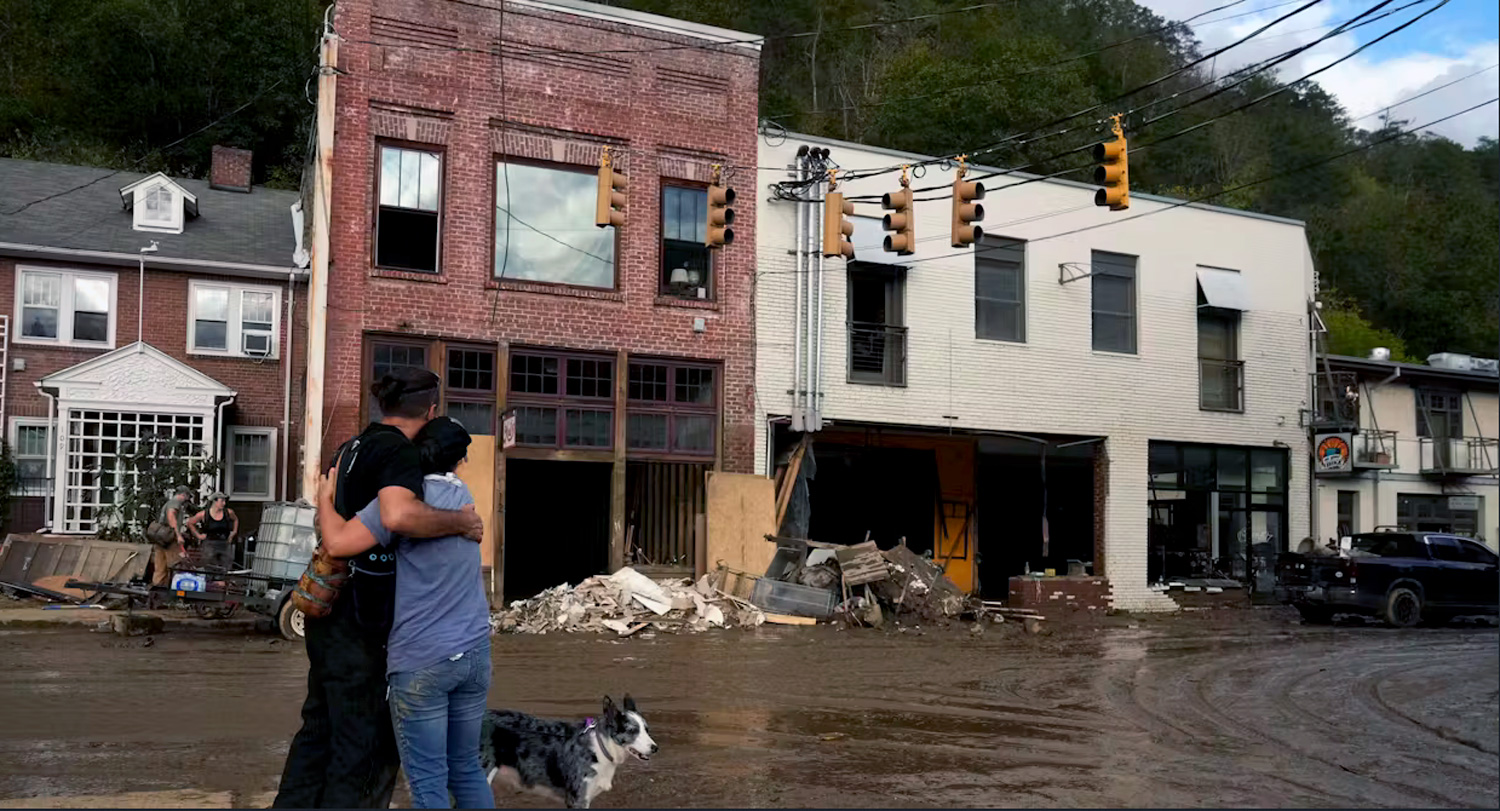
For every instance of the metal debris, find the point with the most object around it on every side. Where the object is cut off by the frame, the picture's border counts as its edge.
(626, 603)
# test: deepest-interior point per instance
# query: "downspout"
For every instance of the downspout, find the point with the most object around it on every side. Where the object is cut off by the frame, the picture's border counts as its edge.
(219, 442)
(799, 243)
(317, 315)
(286, 389)
(810, 243)
(815, 393)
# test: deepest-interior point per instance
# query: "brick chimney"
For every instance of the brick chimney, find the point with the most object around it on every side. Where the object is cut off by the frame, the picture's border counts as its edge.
(231, 169)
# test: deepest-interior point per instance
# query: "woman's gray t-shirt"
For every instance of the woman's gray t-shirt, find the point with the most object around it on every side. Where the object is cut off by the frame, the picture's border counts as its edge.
(441, 608)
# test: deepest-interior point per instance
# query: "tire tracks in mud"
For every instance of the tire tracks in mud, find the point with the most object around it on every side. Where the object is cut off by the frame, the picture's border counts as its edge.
(1263, 728)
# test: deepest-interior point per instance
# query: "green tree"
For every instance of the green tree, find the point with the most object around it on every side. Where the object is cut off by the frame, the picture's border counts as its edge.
(148, 471)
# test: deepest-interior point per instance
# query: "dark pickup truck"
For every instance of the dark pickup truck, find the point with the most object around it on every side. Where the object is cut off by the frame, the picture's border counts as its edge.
(1400, 577)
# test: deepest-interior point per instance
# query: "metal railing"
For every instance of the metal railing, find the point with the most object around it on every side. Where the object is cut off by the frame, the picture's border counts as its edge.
(877, 353)
(1375, 449)
(1221, 384)
(1336, 400)
(1468, 456)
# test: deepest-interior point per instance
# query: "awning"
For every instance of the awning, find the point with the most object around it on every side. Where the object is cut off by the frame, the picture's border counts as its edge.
(1223, 288)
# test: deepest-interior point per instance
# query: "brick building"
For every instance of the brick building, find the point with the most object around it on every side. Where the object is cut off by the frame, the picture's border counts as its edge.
(210, 360)
(1120, 390)
(463, 240)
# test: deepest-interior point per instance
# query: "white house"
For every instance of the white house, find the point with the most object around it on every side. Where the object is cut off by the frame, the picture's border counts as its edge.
(1128, 397)
(1421, 446)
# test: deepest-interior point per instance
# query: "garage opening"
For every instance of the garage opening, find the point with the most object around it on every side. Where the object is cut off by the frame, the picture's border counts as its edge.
(556, 524)
(663, 502)
(891, 493)
(1011, 497)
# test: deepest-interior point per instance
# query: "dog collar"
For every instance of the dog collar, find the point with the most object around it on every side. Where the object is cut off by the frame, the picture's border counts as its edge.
(588, 724)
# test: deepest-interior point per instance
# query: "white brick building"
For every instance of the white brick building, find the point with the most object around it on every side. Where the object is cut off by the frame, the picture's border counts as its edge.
(1422, 441)
(954, 428)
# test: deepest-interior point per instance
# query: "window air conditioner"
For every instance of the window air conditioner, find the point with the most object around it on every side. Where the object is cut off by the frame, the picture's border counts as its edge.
(256, 344)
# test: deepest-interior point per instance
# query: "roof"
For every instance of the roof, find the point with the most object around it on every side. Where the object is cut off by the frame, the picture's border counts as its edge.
(641, 19)
(252, 229)
(1417, 370)
(976, 167)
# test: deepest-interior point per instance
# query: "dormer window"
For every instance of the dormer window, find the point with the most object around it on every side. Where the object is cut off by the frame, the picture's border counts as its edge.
(159, 204)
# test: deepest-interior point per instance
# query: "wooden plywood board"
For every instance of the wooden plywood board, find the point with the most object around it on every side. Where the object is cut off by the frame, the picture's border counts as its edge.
(479, 474)
(741, 513)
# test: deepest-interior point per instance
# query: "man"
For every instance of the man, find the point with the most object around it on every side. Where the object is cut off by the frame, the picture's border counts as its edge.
(344, 756)
(174, 514)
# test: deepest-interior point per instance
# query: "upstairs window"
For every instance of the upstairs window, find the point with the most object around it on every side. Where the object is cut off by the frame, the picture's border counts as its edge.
(1000, 290)
(1114, 322)
(1440, 414)
(407, 219)
(686, 260)
(877, 335)
(233, 320)
(544, 227)
(66, 308)
(1220, 371)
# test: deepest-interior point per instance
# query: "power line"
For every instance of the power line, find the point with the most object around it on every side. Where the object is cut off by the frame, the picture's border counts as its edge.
(1394, 105)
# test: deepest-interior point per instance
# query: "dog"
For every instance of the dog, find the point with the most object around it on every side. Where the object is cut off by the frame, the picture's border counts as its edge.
(570, 762)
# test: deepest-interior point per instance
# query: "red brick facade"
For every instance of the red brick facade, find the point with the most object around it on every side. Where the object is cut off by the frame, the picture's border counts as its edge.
(260, 385)
(422, 73)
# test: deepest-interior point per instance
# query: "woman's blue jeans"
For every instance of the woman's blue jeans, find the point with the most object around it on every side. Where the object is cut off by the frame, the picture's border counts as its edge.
(437, 712)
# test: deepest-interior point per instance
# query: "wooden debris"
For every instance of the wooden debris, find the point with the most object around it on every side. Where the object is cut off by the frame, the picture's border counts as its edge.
(788, 619)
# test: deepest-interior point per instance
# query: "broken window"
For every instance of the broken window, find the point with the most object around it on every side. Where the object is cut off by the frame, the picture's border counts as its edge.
(1000, 290)
(407, 219)
(563, 401)
(544, 227)
(1113, 283)
(673, 409)
(686, 259)
(877, 335)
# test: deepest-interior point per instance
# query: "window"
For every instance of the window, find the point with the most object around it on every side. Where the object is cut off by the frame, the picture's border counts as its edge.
(877, 337)
(29, 439)
(251, 463)
(407, 219)
(686, 259)
(1440, 414)
(1477, 552)
(544, 227)
(66, 308)
(1000, 290)
(233, 320)
(470, 389)
(1220, 371)
(387, 356)
(1348, 512)
(1445, 548)
(92, 469)
(673, 409)
(158, 207)
(1114, 302)
(563, 400)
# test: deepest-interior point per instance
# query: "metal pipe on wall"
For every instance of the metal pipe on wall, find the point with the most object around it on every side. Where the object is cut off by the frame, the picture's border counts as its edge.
(809, 245)
(799, 242)
(286, 389)
(817, 371)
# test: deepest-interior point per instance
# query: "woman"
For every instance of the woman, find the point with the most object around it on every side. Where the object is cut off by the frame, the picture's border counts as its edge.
(215, 528)
(438, 653)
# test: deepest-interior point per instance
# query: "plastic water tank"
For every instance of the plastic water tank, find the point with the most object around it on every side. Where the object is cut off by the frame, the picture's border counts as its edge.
(287, 539)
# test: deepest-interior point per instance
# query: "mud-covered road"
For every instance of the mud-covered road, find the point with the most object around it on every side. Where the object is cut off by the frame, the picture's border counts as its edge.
(1245, 710)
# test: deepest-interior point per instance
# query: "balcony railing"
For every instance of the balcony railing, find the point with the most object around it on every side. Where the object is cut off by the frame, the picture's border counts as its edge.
(1459, 456)
(1337, 400)
(877, 354)
(1375, 449)
(1221, 385)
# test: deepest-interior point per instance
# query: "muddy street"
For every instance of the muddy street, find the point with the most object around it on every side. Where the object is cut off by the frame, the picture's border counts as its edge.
(1249, 710)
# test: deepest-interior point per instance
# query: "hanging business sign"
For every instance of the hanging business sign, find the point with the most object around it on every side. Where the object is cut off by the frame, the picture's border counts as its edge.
(508, 430)
(1333, 453)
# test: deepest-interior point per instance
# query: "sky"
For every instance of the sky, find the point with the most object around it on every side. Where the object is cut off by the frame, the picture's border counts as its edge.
(1456, 40)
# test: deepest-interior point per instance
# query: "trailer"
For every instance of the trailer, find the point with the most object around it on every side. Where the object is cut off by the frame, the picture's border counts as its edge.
(259, 594)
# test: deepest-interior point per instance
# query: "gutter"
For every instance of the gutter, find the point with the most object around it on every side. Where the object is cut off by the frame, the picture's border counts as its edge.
(158, 262)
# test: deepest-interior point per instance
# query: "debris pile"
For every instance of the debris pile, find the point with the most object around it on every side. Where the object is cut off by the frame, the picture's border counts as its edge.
(627, 602)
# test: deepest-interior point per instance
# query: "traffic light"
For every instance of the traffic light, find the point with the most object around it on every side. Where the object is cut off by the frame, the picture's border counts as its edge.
(836, 228)
(901, 221)
(1113, 171)
(965, 211)
(610, 209)
(720, 216)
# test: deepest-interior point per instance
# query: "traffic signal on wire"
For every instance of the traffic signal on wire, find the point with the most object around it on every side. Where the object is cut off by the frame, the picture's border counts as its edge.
(965, 211)
(610, 208)
(1113, 171)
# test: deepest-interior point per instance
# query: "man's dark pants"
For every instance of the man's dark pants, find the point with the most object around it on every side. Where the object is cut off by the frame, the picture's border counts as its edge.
(345, 754)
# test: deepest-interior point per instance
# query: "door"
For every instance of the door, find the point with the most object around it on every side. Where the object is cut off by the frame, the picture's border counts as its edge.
(1457, 578)
(1487, 589)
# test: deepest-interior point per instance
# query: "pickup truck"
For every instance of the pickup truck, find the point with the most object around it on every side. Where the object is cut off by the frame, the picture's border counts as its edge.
(1401, 577)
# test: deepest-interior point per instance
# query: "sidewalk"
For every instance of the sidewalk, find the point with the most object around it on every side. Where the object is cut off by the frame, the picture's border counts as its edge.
(183, 798)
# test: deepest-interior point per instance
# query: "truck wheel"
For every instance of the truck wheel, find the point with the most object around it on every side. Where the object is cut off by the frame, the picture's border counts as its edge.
(1403, 608)
(291, 621)
(1315, 614)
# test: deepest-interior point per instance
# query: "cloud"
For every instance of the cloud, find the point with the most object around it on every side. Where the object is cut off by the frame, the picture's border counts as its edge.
(1369, 82)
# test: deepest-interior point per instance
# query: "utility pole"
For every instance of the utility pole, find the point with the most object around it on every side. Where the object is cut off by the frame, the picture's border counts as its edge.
(317, 304)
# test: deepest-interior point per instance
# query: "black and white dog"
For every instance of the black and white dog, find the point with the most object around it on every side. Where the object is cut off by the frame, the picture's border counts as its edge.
(571, 762)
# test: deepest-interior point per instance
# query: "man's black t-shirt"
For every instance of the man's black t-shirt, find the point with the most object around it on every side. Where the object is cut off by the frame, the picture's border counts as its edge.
(380, 457)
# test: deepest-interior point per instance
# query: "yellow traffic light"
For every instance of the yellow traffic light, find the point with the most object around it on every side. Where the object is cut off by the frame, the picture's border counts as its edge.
(965, 211)
(901, 222)
(610, 209)
(1113, 171)
(836, 229)
(720, 216)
